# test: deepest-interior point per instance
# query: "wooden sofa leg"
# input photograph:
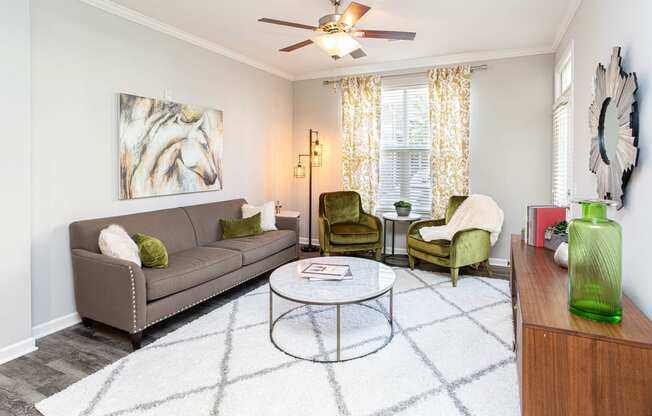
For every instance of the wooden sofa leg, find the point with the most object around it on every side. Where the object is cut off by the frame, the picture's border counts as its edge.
(136, 340)
(454, 274)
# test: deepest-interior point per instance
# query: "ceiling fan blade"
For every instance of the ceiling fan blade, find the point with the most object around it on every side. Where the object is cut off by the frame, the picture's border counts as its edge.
(283, 23)
(353, 13)
(385, 34)
(296, 46)
(358, 53)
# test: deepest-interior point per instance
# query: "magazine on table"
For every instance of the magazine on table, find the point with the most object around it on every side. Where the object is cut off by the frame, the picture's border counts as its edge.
(323, 271)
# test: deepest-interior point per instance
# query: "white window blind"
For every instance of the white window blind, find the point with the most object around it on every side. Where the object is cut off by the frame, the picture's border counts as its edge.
(560, 183)
(405, 145)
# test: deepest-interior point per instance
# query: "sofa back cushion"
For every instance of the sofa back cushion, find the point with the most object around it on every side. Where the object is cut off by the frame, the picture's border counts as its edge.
(171, 226)
(205, 218)
(341, 207)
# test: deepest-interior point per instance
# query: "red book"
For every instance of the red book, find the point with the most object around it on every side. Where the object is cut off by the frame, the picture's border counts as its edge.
(546, 217)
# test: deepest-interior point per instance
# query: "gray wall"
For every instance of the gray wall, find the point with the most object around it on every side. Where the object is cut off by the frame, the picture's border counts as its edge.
(511, 107)
(82, 57)
(598, 26)
(15, 171)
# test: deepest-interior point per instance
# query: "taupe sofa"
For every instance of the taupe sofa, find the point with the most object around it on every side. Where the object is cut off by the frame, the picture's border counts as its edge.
(201, 265)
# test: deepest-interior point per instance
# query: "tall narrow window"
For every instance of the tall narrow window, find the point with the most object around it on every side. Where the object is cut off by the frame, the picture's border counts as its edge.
(405, 145)
(560, 185)
(561, 133)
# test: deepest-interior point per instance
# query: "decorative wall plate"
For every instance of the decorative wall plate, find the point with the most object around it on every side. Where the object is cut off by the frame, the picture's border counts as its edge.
(614, 132)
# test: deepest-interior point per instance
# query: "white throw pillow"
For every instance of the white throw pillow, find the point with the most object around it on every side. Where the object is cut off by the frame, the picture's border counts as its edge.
(115, 242)
(267, 214)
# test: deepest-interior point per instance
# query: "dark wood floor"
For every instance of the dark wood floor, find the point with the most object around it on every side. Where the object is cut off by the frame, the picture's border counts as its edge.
(70, 355)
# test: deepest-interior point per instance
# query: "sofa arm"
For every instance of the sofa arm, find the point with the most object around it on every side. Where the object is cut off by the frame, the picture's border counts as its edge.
(416, 226)
(110, 290)
(288, 223)
(469, 247)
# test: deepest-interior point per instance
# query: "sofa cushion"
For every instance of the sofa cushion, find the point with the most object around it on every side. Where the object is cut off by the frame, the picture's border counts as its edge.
(439, 248)
(353, 234)
(257, 247)
(205, 218)
(190, 268)
(171, 226)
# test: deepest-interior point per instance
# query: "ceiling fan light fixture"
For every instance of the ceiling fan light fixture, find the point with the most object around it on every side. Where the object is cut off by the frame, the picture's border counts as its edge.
(337, 44)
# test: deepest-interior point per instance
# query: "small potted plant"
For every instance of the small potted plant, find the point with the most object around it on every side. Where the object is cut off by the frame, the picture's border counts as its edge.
(403, 208)
(556, 235)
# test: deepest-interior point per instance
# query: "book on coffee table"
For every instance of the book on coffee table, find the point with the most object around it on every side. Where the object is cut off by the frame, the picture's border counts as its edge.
(323, 271)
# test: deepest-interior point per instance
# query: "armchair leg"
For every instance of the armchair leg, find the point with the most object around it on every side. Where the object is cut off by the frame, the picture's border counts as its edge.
(411, 262)
(454, 274)
(488, 267)
(378, 254)
(326, 253)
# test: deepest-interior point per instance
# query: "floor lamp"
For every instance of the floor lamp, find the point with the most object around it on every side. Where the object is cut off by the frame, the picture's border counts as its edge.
(314, 155)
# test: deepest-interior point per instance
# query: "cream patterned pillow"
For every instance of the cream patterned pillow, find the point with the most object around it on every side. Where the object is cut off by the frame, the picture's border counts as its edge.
(267, 214)
(115, 242)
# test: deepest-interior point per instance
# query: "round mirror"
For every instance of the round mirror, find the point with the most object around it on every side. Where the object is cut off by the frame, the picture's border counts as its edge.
(608, 130)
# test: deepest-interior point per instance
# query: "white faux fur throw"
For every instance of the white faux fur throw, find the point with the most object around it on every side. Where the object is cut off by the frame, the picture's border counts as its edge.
(115, 242)
(477, 211)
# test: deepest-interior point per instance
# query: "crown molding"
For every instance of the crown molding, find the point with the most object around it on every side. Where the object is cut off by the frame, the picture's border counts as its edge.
(136, 17)
(427, 62)
(573, 7)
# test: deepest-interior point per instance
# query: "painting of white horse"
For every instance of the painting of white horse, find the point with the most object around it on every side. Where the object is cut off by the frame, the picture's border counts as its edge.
(168, 148)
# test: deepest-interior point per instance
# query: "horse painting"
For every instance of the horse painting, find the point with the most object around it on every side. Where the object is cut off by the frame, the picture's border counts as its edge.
(168, 148)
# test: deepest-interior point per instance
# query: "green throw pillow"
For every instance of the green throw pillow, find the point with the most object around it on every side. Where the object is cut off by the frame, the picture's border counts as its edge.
(232, 228)
(152, 251)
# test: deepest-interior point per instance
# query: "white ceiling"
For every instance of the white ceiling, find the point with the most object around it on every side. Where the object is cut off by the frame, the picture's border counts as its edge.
(444, 28)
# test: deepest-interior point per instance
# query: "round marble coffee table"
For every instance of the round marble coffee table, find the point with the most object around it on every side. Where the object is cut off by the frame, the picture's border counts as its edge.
(370, 280)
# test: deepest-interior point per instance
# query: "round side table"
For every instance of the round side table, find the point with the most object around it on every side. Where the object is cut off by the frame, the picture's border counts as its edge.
(392, 217)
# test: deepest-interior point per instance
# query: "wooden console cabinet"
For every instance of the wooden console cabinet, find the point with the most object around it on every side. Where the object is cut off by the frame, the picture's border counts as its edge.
(568, 365)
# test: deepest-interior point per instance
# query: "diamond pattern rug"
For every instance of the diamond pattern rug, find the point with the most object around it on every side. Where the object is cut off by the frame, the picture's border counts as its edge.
(451, 355)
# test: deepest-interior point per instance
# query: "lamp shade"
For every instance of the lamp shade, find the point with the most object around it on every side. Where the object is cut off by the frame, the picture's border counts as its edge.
(337, 44)
(299, 171)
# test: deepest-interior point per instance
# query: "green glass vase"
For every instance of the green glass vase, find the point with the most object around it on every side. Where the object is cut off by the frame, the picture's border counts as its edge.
(595, 264)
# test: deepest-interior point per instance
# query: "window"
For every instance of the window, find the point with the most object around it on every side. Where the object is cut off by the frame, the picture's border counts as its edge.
(405, 145)
(560, 185)
(561, 133)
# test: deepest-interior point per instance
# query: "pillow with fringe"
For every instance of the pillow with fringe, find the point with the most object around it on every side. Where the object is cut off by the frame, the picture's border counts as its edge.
(115, 242)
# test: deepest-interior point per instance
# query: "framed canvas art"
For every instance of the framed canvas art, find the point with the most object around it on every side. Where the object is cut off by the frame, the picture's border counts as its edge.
(168, 148)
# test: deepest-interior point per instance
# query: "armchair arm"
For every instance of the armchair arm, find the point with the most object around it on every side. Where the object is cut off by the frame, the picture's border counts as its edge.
(109, 290)
(370, 221)
(469, 247)
(324, 234)
(416, 226)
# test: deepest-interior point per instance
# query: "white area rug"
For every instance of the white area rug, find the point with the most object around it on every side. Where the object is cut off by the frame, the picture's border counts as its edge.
(451, 355)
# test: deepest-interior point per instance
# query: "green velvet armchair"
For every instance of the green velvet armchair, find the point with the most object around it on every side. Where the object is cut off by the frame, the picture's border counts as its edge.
(344, 227)
(467, 248)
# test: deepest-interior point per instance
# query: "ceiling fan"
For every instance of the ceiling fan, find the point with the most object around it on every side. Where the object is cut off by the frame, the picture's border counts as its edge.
(337, 32)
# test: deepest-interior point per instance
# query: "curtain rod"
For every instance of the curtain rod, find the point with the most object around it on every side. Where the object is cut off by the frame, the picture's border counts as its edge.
(473, 69)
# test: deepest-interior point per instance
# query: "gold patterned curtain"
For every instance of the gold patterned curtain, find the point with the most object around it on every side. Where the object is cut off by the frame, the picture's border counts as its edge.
(361, 136)
(449, 100)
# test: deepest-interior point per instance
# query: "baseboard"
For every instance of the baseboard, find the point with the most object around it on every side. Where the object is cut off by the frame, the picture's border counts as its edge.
(494, 261)
(55, 325)
(18, 349)
(499, 262)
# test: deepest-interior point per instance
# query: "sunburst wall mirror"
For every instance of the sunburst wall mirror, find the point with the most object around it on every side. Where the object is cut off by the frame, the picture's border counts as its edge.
(613, 120)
